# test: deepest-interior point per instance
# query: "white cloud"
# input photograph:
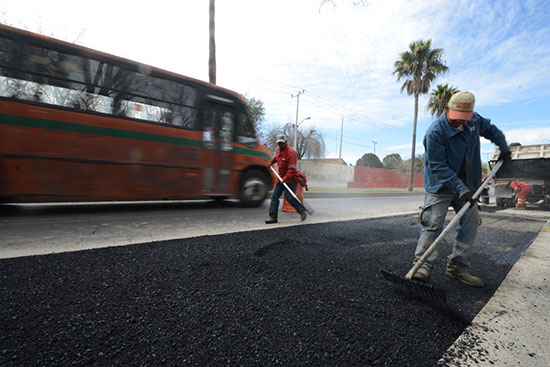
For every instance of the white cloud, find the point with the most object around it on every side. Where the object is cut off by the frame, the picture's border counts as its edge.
(529, 136)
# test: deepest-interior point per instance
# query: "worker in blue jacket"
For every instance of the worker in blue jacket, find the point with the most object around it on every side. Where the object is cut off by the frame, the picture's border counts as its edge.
(452, 174)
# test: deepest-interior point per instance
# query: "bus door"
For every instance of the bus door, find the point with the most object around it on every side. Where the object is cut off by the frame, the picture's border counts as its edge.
(218, 127)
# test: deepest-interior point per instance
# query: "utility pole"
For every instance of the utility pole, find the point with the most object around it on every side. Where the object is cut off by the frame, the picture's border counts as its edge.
(212, 43)
(341, 135)
(374, 142)
(296, 125)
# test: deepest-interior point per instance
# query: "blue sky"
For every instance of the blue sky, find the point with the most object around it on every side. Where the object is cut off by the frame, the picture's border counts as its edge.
(342, 56)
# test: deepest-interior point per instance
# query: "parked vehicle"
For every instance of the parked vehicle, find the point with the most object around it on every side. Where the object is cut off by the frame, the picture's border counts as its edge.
(529, 164)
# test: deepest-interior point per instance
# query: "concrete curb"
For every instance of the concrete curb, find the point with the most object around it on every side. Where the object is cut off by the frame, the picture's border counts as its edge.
(513, 327)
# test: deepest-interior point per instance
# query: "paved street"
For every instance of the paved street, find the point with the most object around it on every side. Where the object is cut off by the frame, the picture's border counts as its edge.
(42, 229)
(310, 293)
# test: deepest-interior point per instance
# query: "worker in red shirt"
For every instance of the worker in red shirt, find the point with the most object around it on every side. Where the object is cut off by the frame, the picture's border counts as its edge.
(521, 191)
(286, 159)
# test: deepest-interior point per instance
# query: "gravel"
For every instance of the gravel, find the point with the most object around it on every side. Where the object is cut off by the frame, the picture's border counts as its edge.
(305, 295)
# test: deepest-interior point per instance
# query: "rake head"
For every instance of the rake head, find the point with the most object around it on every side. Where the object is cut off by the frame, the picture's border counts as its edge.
(307, 207)
(423, 289)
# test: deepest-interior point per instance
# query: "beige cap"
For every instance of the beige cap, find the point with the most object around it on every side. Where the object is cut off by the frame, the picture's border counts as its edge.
(461, 106)
(281, 138)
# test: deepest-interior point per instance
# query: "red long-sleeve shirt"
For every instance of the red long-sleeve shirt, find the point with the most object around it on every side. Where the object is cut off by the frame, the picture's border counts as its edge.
(286, 162)
(521, 188)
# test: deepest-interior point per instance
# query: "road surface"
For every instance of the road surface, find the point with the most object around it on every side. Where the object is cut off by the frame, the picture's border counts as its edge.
(308, 295)
(46, 228)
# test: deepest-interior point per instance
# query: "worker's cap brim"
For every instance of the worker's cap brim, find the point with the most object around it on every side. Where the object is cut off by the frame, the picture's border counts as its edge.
(460, 115)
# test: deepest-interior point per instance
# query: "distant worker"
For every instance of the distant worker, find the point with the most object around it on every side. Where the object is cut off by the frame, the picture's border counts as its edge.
(452, 175)
(286, 159)
(521, 191)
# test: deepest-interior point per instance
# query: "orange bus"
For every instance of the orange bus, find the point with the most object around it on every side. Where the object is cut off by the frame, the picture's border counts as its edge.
(81, 125)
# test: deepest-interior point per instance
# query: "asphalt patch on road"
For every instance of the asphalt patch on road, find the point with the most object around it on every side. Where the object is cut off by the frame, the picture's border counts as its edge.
(305, 295)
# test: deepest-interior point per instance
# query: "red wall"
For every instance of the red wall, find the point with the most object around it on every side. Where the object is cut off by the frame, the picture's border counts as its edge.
(380, 177)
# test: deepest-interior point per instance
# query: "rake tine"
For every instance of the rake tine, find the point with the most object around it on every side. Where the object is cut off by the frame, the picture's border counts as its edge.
(428, 293)
(423, 289)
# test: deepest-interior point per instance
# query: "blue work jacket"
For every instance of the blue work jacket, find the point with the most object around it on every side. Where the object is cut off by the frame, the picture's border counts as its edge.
(452, 156)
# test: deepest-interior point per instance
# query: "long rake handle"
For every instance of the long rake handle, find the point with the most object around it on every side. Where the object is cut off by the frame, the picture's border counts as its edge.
(451, 224)
(286, 186)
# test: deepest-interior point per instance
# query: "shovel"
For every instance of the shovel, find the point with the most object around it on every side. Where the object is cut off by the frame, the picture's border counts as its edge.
(308, 208)
(425, 289)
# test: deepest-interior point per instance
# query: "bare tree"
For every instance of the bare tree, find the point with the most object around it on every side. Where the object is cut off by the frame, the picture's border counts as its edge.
(311, 143)
(212, 44)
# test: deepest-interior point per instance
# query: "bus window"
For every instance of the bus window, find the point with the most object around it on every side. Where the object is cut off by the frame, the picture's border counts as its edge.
(226, 131)
(185, 117)
(209, 132)
(245, 131)
(45, 75)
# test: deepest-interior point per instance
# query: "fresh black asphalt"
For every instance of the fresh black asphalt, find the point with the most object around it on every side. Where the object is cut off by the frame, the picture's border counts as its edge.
(304, 295)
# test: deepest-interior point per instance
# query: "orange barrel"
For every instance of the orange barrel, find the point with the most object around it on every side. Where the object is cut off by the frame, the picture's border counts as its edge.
(287, 207)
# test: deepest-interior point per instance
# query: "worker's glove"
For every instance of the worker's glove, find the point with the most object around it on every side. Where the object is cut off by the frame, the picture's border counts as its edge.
(467, 197)
(505, 156)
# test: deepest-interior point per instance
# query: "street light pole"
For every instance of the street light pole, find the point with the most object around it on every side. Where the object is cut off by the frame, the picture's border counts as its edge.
(296, 132)
(297, 106)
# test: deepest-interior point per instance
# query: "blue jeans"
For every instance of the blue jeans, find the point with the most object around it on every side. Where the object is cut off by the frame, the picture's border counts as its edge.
(432, 218)
(277, 192)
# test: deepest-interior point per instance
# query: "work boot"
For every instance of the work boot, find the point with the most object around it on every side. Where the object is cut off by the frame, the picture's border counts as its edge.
(303, 215)
(460, 273)
(422, 275)
(271, 220)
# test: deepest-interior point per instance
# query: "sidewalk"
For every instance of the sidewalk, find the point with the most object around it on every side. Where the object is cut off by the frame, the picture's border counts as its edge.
(513, 329)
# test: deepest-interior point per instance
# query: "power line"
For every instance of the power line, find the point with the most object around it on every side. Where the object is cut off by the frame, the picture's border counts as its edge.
(324, 103)
(362, 139)
(330, 105)
(363, 119)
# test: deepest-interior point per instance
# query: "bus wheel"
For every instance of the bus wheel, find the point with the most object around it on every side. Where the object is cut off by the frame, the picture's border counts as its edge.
(253, 190)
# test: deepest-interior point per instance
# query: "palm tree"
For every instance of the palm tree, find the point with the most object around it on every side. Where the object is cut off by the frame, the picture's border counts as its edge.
(212, 43)
(419, 66)
(439, 99)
